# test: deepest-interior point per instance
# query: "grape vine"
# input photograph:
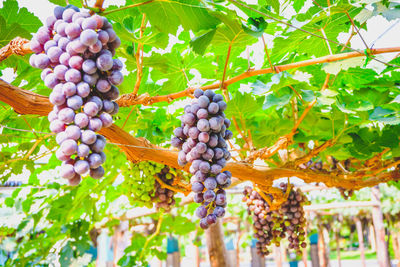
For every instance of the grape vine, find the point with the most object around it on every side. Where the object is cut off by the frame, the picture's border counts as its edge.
(75, 51)
(201, 140)
(271, 226)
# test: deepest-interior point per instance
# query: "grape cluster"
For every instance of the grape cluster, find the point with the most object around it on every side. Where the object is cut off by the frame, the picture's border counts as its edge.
(271, 226)
(201, 140)
(75, 51)
(164, 197)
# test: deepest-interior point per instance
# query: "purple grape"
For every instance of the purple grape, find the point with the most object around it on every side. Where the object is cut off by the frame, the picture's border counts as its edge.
(117, 64)
(91, 109)
(73, 75)
(52, 116)
(81, 120)
(213, 108)
(209, 195)
(204, 137)
(203, 125)
(203, 101)
(211, 219)
(76, 46)
(91, 79)
(198, 92)
(115, 110)
(116, 78)
(176, 142)
(61, 156)
(189, 119)
(204, 167)
(95, 124)
(222, 105)
(219, 211)
(61, 137)
(220, 199)
(99, 145)
(228, 134)
(51, 80)
(45, 72)
(198, 197)
(221, 162)
(67, 14)
(67, 171)
(96, 48)
(54, 54)
(113, 94)
(42, 36)
(228, 183)
(64, 58)
(103, 36)
(210, 183)
(94, 160)
(89, 23)
(202, 113)
(178, 132)
(96, 100)
(83, 151)
(75, 102)
(111, 34)
(83, 89)
(42, 61)
(81, 167)
(108, 106)
(57, 126)
(49, 44)
(197, 187)
(106, 119)
(193, 133)
(69, 147)
(201, 147)
(89, 66)
(201, 212)
(222, 178)
(36, 46)
(88, 137)
(104, 62)
(57, 98)
(76, 62)
(103, 86)
(203, 223)
(73, 30)
(214, 124)
(213, 142)
(73, 132)
(66, 115)
(59, 71)
(97, 173)
(75, 180)
(114, 44)
(208, 155)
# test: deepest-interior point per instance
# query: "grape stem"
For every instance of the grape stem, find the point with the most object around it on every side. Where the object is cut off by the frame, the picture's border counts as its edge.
(159, 223)
(176, 190)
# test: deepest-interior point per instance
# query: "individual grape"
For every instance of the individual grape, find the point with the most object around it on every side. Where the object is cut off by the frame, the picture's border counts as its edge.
(201, 212)
(77, 46)
(201, 147)
(88, 137)
(52, 116)
(204, 137)
(58, 11)
(64, 58)
(91, 79)
(42, 36)
(117, 64)
(222, 105)
(73, 30)
(42, 61)
(202, 113)
(96, 100)
(209, 93)
(189, 119)
(57, 98)
(91, 109)
(103, 86)
(81, 120)
(69, 147)
(99, 145)
(106, 119)
(116, 78)
(203, 125)
(115, 110)
(114, 45)
(66, 115)
(75, 180)
(219, 211)
(99, 20)
(83, 89)
(73, 132)
(96, 47)
(76, 62)
(75, 102)
(104, 62)
(103, 36)
(89, 66)
(57, 126)
(198, 92)
(211, 219)
(81, 167)
(197, 187)
(95, 124)
(198, 197)
(209, 195)
(36, 46)
(67, 14)
(94, 160)
(210, 183)
(45, 72)
(213, 108)
(203, 223)
(73, 75)
(83, 151)
(220, 199)
(54, 54)
(59, 71)
(203, 101)
(97, 173)
(61, 137)
(111, 34)
(89, 23)
(51, 80)
(216, 169)
(113, 94)
(67, 171)
(49, 44)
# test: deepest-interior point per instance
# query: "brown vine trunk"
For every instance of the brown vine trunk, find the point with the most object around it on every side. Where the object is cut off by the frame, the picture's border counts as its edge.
(377, 217)
(216, 246)
(322, 249)
(360, 241)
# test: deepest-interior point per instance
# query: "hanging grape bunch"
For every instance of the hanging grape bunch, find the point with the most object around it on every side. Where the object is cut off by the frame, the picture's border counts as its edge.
(271, 226)
(164, 197)
(201, 140)
(75, 51)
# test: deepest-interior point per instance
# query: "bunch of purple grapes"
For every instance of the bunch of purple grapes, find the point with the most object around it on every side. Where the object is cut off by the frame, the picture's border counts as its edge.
(201, 140)
(271, 226)
(164, 197)
(75, 51)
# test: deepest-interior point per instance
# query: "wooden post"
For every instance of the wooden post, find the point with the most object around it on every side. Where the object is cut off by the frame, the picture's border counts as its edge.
(377, 218)
(371, 237)
(337, 237)
(396, 247)
(256, 260)
(197, 257)
(278, 256)
(322, 249)
(216, 246)
(304, 257)
(360, 241)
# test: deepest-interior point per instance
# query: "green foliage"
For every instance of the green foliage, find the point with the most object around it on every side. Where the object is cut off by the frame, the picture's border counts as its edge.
(185, 44)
